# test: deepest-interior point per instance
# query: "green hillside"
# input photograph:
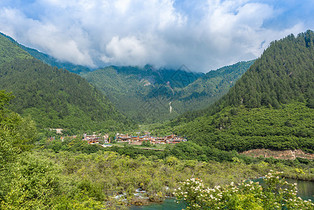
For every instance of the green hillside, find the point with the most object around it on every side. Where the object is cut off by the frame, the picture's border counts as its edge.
(284, 73)
(54, 97)
(210, 87)
(9, 51)
(144, 94)
(78, 69)
(271, 106)
(18, 49)
(141, 93)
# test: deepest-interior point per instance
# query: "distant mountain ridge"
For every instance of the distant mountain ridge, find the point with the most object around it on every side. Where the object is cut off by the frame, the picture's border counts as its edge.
(213, 85)
(141, 93)
(49, 59)
(149, 95)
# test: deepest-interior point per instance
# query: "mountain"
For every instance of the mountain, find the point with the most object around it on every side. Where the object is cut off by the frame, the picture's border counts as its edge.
(210, 87)
(49, 59)
(54, 97)
(270, 107)
(10, 51)
(144, 93)
(151, 95)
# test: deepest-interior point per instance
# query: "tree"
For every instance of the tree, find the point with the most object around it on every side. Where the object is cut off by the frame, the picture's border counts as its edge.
(16, 133)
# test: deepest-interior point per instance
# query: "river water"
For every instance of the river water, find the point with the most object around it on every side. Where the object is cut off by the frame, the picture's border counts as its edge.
(305, 191)
(168, 204)
(305, 188)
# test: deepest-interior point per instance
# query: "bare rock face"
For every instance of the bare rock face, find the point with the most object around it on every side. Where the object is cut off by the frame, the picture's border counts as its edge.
(286, 154)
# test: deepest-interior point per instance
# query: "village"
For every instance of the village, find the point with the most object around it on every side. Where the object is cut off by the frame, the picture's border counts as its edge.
(132, 140)
(106, 141)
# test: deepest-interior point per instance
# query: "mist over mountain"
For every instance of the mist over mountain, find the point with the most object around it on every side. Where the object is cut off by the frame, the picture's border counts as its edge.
(154, 95)
(54, 97)
(49, 59)
(129, 104)
(148, 94)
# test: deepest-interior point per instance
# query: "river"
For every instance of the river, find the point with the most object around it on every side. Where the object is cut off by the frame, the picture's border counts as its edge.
(168, 204)
(305, 191)
(305, 188)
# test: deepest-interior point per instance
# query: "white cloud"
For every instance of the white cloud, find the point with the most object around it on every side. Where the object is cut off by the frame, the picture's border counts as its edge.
(204, 36)
(129, 48)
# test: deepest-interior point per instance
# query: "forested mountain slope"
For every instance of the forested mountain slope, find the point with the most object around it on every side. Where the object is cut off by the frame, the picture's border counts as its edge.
(144, 93)
(211, 86)
(46, 58)
(271, 106)
(77, 69)
(148, 94)
(54, 97)
(285, 72)
(10, 51)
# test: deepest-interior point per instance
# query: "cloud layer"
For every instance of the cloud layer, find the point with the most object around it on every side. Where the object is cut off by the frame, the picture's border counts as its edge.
(203, 35)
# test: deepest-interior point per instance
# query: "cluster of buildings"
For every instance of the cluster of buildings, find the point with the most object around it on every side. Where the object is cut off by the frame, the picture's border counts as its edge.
(96, 139)
(138, 140)
(125, 138)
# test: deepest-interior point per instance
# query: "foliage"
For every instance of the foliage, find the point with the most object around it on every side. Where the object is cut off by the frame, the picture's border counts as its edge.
(242, 129)
(282, 74)
(78, 69)
(274, 193)
(35, 183)
(45, 179)
(188, 151)
(212, 86)
(9, 51)
(55, 98)
(16, 133)
(269, 107)
(146, 144)
(71, 145)
(144, 93)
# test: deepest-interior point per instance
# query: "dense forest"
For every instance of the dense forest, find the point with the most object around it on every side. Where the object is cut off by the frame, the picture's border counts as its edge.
(55, 98)
(271, 106)
(144, 94)
(285, 72)
(241, 129)
(212, 86)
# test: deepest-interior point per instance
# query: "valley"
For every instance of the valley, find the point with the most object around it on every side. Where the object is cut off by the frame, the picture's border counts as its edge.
(91, 138)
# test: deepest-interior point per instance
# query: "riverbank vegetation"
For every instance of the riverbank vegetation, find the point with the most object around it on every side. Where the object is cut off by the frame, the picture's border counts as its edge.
(45, 179)
(273, 193)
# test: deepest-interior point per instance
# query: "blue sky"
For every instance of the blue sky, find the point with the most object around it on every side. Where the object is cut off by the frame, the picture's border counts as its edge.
(202, 34)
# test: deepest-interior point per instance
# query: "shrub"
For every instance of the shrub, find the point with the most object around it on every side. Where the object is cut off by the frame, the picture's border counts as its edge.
(274, 193)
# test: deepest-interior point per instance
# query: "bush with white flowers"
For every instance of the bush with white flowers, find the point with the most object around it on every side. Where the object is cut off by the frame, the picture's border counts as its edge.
(274, 193)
